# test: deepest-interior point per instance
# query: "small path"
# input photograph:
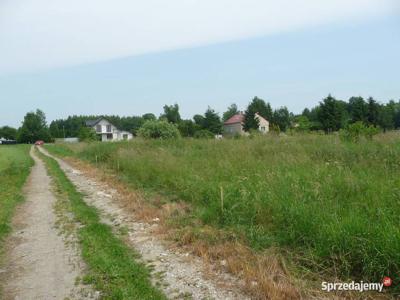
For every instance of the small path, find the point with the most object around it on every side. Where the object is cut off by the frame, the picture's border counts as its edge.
(179, 275)
(39, 265)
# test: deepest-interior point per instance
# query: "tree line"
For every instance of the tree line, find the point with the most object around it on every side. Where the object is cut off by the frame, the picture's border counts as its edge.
(329, 115)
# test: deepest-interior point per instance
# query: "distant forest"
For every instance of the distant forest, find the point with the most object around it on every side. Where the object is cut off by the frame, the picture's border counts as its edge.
(329, 115)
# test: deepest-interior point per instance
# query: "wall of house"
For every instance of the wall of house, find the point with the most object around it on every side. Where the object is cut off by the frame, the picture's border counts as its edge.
(232, 129)
(263, 124)
(116, 135)
(103, 124)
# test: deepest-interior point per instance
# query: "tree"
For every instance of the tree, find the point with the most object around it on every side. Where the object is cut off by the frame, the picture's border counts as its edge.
(259, 106)
(232, 110)
(212, 121)
(87, 134)
(198, 120)
(158, 130)
(281, 118)
(303, 123)
(373, 111)
(188, 128)
(358, 110)
(149, 116)
(34, 128)
(171, 113)
(8, 133)
(386, 116)
(332, 114)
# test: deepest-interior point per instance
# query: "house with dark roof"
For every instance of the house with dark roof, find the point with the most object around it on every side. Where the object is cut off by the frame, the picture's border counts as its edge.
(234, 125)
(107, 131)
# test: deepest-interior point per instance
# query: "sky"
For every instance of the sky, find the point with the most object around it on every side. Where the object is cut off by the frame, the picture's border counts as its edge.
(131, 57)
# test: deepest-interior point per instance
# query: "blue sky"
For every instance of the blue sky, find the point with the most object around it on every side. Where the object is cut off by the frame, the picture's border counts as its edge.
(295, 67)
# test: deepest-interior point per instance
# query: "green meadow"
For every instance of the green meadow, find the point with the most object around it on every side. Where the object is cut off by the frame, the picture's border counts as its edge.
(331, 207)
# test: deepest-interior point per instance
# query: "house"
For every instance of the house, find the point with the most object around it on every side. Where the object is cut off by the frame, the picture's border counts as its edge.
(107, 131)
(4, 141)
(234, 125)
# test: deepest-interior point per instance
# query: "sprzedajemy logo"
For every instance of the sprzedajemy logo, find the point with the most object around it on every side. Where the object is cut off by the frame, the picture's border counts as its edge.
(356, 286)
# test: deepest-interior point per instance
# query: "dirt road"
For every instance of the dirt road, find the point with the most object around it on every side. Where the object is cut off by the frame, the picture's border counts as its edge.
(39, 265)
(179, 275)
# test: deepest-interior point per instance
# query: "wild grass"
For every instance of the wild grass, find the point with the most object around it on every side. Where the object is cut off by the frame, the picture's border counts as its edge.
(15, 164)
(332, 207)
(113, 267)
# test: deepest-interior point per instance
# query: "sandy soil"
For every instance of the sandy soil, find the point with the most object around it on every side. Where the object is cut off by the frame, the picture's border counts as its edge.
(39, 264)
(179, 275)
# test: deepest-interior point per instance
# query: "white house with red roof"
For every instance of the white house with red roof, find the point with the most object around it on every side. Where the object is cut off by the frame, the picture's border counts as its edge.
(234, 125)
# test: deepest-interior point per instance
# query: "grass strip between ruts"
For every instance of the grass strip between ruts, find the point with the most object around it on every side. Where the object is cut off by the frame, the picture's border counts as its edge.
(113, 268)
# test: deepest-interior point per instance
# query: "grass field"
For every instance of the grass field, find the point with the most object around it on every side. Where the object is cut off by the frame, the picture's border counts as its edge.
(113, 267)
(15, 164)
(333, 207)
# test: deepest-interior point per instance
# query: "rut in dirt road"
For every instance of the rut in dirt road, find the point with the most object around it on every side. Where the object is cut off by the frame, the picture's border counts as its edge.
(181, 275)
(38, 263)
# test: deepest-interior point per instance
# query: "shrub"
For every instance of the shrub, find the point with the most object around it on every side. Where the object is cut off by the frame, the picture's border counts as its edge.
(203, 134)
(87, 134)
(158, 130)
(355, 131)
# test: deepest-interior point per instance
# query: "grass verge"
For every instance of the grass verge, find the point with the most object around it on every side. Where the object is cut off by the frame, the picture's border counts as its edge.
(15, 164)
(112, 266)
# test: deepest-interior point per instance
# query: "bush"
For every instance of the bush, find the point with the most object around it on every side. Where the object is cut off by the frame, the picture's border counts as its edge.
(204, 134)
(87, 134)
(158, 130)
(354, 132)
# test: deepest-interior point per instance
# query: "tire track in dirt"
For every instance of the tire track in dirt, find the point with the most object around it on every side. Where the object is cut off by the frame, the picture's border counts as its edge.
(39, 264)
(179, 275)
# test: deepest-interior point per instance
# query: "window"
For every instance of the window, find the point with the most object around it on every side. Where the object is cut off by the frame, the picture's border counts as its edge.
(108, 128)
(98, 128)
(125, 136)
(262, 128)
(109, 136)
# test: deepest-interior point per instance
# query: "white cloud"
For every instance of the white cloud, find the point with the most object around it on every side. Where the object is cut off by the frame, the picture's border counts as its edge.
(37, 34)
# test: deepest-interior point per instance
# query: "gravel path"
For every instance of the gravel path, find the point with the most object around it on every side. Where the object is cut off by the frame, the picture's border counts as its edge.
(39, 265)
(179, 275)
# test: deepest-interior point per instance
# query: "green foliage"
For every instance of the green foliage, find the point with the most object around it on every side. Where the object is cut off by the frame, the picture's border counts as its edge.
(212, 121)
(204, 134)
(113, 268)
(281, 117)
(354, 132)
(232, 110)
(171, 113)
(332, 114)
(187, 128)
(358, 110)
(259, 106)
(8, 133)
(329, 204)
(158, 130)
(87, 134)
(15, 165)
(34, 128)
(149, 117)
(303, 124)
